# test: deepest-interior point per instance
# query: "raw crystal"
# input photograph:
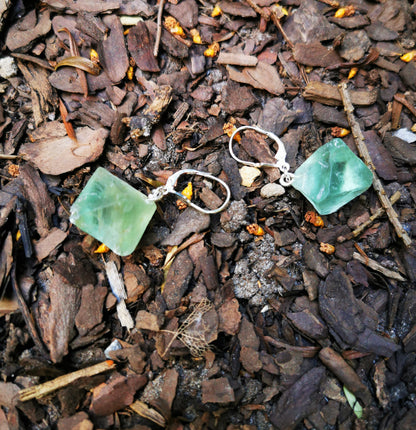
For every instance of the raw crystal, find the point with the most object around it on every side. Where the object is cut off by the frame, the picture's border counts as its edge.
(332, 176)
(113, 212)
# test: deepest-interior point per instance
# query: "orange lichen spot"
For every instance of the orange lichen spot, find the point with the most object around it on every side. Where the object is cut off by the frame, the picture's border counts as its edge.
(255, 229)
(212, 50)
(18, 235)
(339, 132)
(308, 69)
(313, 218)
(102, 249)
(327, 248)
(173, 26)
(94, 57)
(229, 128)
(196, 37)
(408, 57)
(13, 170)
(343, 12)
(109, 362)
(353, 72)
(216, 11)
(130, 73)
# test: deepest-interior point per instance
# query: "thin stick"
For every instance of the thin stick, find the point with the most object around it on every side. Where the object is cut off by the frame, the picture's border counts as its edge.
(377, 214)
(38, 391)
(401, 98)
(306, 351)
(259, 10)
(365, 155)
(372, 264)
(159, 28)
(27, 316)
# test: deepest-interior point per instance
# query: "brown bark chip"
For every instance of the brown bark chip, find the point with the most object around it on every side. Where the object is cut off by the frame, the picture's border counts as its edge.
(177, 279)
(79, 421)
(116, 394)
(90, 313)
(217, 391)
(229, 317)
(140, 43)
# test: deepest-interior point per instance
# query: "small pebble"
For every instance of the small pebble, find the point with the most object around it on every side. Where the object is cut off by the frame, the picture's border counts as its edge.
(248, 175)
(272, 190)
(8, 67)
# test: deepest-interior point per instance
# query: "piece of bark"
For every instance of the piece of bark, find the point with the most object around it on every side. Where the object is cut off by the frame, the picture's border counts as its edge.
(262, 76)
(329, 94)
(314, 260)
(354, 324)
(44, 98)
(15, 135)
(299, 401)
(147, 321)
(329, 115)
(315, 54)
(22, 39)
(276, 108)
(116, 394)
(61, 155)
(309, 324)
(113, 53)
(350, 22)
(237, 9)
(36, 192)
(236, 98)
(79, 421)
(90, 313)
(217, 391)
(137, 8)
(91, 6)
(47, 244)
(58, 317)
(380, 156)
(186, 12)
(229, 317)
(177, 280)
(173, 46)
(91, 25)
(134, 355)
(247, 335)
(236, 59)
(140, 43)
(189, 221)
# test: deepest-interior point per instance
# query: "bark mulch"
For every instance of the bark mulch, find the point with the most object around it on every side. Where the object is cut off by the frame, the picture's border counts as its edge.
(265, 316)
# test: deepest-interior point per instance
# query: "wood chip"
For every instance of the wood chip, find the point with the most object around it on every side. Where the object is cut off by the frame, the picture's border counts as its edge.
(60, 155)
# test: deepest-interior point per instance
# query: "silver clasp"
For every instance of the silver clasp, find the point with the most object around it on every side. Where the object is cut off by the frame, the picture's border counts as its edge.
(169, 188)
(280, 157)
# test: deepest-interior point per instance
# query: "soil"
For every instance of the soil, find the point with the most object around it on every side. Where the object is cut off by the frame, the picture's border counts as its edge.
(263, 316)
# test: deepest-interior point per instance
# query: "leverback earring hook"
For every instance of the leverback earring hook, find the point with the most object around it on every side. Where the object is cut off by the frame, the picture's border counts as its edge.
(280, 157)
(169, 188)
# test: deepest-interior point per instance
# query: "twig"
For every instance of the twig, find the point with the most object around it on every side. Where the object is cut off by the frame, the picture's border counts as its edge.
(259, 10)
(345, 373)
(377, 214)
(276, 20)
(306, 351)
(363, 151)
(41, 390)
(401, 98)
(372, 264)
(159, 28)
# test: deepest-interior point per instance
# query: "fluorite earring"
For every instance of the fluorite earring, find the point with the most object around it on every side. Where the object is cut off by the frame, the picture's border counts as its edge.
(115, 213)
(330, 178)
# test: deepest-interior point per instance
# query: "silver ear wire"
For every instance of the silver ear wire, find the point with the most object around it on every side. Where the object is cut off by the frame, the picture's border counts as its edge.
(280, 157)
(160, 192)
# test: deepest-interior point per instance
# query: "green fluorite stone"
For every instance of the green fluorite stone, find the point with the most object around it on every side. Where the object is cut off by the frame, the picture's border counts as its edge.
(332, 176)
(112, 211)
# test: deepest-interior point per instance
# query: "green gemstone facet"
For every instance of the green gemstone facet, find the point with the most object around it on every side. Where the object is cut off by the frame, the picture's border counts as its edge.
(113, 212)
(332, 176)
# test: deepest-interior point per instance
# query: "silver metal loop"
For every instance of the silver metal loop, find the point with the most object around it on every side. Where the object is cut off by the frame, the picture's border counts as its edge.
(280, 157)
(169, 188)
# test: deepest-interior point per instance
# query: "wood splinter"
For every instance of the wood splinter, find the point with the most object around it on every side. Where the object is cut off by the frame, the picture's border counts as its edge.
(365, 155)
(41, 390)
